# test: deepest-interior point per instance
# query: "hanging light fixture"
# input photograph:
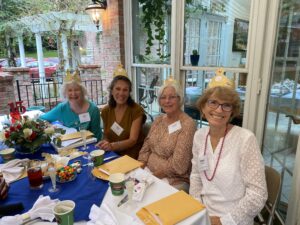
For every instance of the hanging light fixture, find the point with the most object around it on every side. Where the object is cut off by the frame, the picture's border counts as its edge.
(95, 10)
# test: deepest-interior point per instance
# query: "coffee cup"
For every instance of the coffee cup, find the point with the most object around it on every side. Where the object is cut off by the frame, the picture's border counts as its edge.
(64, 212)
(97, 157)
(117, 183)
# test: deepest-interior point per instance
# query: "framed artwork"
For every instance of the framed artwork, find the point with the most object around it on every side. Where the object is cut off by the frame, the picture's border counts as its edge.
(240, 35)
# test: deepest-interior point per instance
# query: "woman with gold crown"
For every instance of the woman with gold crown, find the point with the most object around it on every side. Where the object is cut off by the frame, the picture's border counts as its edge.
(167, 150)
(122, 118)
(228, 174)
(76, 111)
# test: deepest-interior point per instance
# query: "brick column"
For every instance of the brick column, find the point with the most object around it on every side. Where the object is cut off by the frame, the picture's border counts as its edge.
(95, 82)
(109, 45)
(21, 74)
(6, 91)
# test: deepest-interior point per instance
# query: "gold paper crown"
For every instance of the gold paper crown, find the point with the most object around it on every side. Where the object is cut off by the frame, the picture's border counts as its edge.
(221, 80)
(72, 77)
(120, 71)
(170, 81)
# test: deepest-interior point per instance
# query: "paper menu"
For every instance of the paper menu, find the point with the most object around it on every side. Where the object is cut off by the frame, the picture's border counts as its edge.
(123, 164)
(75, 135)
(72, 135)
(170, 210)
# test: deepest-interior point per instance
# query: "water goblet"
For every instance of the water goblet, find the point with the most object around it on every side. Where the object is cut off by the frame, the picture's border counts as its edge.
(52, 175)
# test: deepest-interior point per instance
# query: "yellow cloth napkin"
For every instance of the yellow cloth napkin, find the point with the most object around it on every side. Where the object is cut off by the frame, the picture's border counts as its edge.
(170, 210)
(75, 135)
(123, 164)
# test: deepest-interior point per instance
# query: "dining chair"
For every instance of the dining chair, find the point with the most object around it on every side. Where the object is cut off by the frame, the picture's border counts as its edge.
(267, 215)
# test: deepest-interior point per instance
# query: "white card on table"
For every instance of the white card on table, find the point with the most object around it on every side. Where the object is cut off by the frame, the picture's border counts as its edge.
(174, 127)
(117, 128)
(84, 117)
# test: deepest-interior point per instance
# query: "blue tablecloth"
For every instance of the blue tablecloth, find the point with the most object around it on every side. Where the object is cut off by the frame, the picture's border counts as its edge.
(84, 190)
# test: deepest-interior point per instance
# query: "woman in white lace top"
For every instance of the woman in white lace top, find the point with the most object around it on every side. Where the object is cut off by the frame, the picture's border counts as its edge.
(227, 166)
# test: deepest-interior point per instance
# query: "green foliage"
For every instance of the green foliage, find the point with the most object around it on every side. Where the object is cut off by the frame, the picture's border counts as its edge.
(29, 133)
(153, 19)
(195, 52)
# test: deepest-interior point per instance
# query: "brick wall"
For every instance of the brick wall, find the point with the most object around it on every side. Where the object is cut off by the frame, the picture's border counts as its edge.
(108, 47)
(6, 91)
(21, 74)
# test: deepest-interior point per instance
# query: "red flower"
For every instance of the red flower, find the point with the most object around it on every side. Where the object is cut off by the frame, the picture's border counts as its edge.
(19, 126)
(7, 134)
(12, 128)
(32, 136)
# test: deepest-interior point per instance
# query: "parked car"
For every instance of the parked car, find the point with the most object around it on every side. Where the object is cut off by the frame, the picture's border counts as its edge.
(50, 69)
(4, 61)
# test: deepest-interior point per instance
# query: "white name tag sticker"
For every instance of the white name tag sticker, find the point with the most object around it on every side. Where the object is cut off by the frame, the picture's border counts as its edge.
(84, 117)
(117, 129)
(203, 163)
(174, 127)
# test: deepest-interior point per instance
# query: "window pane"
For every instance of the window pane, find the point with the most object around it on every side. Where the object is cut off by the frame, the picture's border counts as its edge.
(196, 83)
(148, 82)
(151, 32)
(218, 30)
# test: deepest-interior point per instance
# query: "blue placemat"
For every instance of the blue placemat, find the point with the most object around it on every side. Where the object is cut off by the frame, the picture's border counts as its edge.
(84, 190)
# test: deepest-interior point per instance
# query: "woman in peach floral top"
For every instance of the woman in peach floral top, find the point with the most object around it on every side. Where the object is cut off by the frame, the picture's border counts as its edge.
(167, 150)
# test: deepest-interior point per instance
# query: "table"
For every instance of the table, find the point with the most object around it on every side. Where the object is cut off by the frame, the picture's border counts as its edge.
(156, 191)
(95, 192)
(84, 190)
(126, 213)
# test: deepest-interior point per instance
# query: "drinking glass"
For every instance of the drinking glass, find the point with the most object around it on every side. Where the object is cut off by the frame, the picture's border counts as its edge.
(35, 174)
(83, 133)
(52, 175)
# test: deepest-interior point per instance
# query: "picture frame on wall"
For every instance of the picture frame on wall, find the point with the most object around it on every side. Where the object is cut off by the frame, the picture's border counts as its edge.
(240, 35)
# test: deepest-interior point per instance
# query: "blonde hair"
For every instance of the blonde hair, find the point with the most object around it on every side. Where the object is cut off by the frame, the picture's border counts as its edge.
(223, 93)
(66, 85)
(177, 88)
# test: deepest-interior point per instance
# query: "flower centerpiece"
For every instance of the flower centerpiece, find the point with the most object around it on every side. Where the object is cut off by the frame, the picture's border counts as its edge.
(27, 135)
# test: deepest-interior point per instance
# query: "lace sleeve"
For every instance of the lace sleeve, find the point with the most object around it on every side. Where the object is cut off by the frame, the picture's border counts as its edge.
(253, 173)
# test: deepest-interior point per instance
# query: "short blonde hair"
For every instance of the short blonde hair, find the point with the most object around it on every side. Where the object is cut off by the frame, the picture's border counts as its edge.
(66, 85)
(178, 91)
(223, 93)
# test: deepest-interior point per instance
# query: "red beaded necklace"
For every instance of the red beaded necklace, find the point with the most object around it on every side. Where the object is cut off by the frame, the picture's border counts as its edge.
(214, 172)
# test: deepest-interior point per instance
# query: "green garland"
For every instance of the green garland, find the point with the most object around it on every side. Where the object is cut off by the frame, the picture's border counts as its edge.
(154, 12)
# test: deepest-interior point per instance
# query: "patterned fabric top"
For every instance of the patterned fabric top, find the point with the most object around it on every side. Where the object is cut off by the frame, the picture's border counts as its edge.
(171, 153)
(238, 191)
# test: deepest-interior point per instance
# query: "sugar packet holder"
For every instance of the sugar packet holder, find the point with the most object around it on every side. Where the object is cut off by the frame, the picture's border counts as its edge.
(140, 188)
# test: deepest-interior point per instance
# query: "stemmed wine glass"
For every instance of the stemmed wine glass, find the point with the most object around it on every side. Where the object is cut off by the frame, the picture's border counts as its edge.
(52, 174)
(83, 133)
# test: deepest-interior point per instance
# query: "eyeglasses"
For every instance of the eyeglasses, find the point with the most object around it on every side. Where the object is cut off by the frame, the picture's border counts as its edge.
(226, 107)
(171, 98)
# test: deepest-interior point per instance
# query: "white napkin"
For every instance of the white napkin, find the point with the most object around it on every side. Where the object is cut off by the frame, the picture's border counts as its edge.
(104, 216)
(13, 169)
(42, 208)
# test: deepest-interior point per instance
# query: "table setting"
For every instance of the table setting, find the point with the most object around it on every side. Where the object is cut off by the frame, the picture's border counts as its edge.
(85, 185)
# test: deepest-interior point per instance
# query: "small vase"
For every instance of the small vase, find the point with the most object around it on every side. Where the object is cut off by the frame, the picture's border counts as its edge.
(25, 150)
(194, 60)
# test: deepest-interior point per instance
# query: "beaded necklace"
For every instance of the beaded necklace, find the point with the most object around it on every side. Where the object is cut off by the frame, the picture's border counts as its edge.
(214, 172)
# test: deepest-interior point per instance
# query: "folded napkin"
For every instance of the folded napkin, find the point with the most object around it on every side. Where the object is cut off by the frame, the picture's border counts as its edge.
(13, 169)
(42, 208)
(104, 216)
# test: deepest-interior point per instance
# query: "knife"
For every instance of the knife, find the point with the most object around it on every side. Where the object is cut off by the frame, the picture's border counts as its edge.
(124, 200)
